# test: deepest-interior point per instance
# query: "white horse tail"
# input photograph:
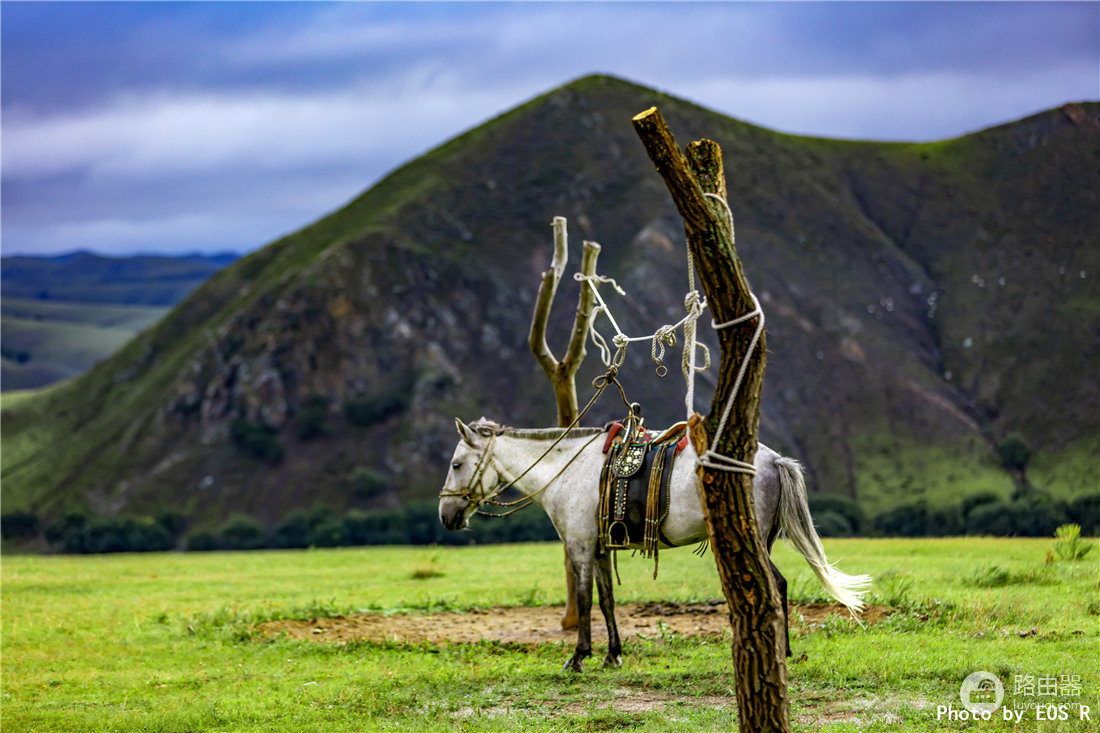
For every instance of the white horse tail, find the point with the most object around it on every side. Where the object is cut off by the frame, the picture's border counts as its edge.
(794, 517)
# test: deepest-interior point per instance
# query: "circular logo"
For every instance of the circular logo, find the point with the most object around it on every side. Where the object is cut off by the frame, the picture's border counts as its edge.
(981, 692)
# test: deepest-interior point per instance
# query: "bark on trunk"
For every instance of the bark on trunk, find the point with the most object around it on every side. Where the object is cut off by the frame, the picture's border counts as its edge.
(759, 634)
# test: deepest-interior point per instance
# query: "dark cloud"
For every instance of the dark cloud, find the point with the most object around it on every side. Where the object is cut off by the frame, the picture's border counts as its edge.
(230, 123)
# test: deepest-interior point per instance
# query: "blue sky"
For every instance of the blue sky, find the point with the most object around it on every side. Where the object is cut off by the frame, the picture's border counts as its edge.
(181, 127)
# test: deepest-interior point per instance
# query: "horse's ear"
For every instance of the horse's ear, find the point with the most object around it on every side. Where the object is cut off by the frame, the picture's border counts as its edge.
(464, 430)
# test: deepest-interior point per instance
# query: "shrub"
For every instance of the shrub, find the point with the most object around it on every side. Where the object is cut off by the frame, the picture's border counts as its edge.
(125, 534)
(292, 532)
(19, 525)
(908, 520)
(313, 418)
(529, 525)
(202, 542)
(69, 531)
(316, 527)
(422, 526)
(944, 522)
(1014, 452)
(172, 521)
(19, 356)
(1038, 515)
(1035, 515)
(1085, 511)
(367, 412)
(241, 532)
(366, 482)
(832, 524)
(326, 530)
(77, 532)
(1068, 545)
(846, 508)
(375, 528)
(973, 501)
(998, 518)
(257, 439)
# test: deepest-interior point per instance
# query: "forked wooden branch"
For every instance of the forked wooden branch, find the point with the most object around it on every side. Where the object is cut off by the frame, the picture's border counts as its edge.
(545, 299)
(562, 373)
(740, 553)
(585, 312)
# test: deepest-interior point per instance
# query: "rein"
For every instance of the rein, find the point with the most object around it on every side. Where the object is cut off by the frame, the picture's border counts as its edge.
(526, 501)
(601, 383)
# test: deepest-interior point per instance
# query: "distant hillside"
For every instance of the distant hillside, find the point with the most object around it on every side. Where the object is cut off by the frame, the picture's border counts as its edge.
(60, 315)
(924, 302)
(85, 277)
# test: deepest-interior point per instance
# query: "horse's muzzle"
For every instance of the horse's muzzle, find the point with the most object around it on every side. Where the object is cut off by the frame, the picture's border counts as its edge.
(452, 513)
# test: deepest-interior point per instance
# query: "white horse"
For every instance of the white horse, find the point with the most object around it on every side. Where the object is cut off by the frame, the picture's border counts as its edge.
(565, 482)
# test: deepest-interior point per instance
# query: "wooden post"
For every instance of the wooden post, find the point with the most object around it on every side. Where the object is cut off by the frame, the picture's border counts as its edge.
(759, 632)
(562, 374)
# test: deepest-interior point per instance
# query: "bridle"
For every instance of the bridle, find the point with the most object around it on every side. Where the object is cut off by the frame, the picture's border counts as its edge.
(475, 481)
(600, 383)
(514, 506)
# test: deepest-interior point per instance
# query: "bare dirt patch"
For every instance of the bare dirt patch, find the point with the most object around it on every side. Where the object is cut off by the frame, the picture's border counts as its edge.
(537, 625)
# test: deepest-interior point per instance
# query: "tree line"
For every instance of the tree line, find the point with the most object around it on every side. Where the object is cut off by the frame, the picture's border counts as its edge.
(1027, 514)
(84, 532)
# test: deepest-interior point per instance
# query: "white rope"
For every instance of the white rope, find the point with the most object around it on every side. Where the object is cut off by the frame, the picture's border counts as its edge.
(694, 304)
(729, 213)
(664, 334)
(710, 459)
(694, 308)
(605, 350)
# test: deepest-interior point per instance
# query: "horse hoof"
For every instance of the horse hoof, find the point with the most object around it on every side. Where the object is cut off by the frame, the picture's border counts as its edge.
(612, 662)
(573, 665)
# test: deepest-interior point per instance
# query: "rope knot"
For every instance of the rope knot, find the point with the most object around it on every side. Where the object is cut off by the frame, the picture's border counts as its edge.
(694, 304)
(606, 378)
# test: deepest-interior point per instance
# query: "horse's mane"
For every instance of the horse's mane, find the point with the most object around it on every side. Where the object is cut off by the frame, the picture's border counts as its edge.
(486, 427)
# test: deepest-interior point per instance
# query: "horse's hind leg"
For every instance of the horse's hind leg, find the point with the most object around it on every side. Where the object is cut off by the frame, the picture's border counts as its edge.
(606, 587)
(582, 570)
(781, 585)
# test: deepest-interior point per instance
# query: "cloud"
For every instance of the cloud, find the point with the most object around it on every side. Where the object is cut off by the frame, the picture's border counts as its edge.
(267, 115)
(915, 107)
(111, 178)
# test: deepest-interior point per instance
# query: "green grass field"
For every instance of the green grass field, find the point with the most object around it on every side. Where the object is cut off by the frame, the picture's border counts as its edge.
(167, 642)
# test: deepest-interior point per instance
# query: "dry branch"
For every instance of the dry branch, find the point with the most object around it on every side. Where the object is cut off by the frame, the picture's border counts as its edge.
(562, 374)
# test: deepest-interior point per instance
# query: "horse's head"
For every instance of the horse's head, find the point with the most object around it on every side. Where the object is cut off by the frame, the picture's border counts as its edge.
(472, 477)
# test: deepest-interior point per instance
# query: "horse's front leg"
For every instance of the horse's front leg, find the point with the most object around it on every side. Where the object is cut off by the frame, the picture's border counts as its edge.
(606, 586)
(581, 558)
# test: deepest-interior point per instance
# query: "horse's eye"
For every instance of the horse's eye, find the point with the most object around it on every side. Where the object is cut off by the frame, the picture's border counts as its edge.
(456, 465)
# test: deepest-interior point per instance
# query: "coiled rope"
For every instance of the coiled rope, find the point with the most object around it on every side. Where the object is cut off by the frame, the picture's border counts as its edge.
(694, 304)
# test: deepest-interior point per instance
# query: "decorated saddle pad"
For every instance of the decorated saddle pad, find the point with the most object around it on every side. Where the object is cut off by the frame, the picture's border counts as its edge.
(635, 486)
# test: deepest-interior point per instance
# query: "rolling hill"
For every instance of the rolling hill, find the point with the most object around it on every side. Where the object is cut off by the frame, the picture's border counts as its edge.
(924, 301)
(60, 315)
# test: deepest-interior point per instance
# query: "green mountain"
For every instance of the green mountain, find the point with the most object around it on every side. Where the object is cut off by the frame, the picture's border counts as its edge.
(923, 301)
(60, 315)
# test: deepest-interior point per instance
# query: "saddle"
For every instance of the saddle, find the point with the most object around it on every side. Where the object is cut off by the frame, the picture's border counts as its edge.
(635, 485)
